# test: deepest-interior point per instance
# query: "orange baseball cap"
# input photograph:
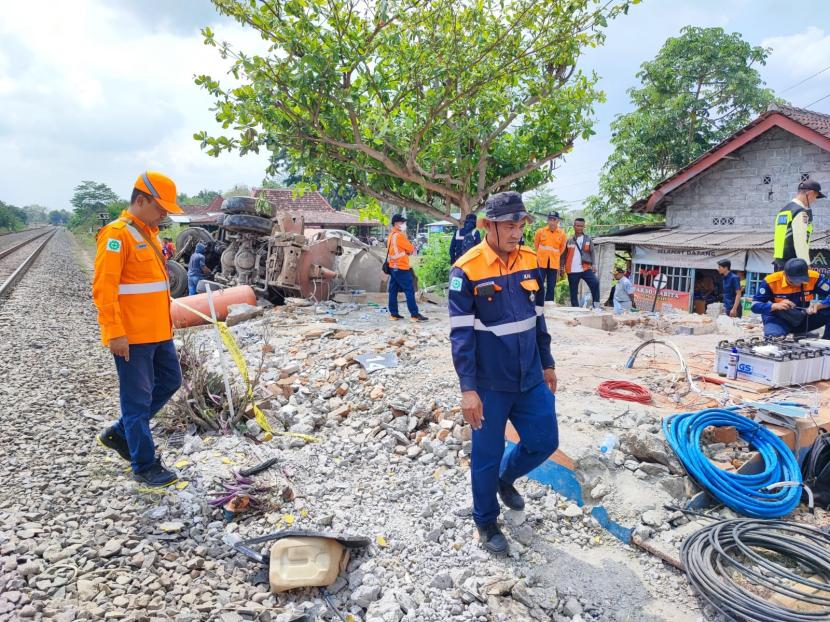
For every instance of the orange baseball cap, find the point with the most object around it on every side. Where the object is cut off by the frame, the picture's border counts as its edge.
(161, 188)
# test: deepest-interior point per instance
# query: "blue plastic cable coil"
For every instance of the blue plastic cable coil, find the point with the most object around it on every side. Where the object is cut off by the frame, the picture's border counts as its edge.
(743, 493)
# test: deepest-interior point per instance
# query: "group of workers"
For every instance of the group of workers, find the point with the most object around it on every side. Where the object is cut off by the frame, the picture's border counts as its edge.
(501, 347)
(500, 344)
(794, 299)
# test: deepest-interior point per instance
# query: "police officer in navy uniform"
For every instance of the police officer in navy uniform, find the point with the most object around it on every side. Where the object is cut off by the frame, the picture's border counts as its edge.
(501, 352)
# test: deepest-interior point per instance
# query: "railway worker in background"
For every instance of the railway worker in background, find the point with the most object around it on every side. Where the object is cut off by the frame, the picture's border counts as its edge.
(465, 238)
(578, 263)
(550, 244)
(501, 352)
(196, 268)
(794, 300)
(399, 248)
(131, 290)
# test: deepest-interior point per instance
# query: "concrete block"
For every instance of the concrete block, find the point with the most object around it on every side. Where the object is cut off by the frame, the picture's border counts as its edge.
(599, 321)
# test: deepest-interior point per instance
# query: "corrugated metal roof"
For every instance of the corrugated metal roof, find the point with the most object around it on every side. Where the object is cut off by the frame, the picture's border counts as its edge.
(727, 240)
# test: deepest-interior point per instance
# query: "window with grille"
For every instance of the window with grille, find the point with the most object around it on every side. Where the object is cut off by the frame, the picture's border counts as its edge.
(753, 282)
(767, 180)
(679, 279)
(805, 176)
(723, 220)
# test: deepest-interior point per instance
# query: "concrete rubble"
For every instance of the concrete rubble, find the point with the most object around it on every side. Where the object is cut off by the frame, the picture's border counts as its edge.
(80, 541)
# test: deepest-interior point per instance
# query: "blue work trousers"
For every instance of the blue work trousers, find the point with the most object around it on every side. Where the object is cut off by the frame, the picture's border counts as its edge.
(147, 381)
(590, 279)
(192, 283)
(401, 281)
(778, 328)
(551, 275)
(533, 415)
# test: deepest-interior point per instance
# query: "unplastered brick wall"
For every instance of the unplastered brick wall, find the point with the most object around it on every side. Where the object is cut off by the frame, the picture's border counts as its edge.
(734, 188)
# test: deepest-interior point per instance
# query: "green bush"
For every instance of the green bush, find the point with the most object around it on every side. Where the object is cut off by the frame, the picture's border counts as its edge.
(434, 263)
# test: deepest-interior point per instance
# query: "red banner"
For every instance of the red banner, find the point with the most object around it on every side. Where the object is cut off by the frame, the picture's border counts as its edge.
(668, 300)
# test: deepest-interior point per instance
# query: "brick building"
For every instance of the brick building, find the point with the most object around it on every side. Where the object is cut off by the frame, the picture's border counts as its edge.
(722, 206)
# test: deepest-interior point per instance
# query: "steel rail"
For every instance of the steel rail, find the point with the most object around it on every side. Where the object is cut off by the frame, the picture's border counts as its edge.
(9, 251)
(9, 283)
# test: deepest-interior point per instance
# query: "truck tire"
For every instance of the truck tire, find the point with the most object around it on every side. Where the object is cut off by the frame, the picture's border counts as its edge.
(246, 223)
(239, 205)
(178, 279)
(196, 234)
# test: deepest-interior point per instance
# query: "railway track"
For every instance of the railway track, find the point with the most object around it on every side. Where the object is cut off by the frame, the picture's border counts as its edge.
(17, 255)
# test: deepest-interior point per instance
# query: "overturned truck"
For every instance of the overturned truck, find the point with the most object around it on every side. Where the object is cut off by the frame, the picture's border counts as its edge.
(277, 256)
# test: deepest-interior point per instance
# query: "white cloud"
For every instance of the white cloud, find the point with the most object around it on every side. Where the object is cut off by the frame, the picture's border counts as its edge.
(87, 91)
(799, 54)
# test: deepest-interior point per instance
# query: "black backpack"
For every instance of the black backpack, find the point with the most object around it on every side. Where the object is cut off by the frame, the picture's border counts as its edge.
(816, 470)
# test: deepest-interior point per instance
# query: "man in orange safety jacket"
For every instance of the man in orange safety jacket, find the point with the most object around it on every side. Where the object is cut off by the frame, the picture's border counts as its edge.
(399, 248)
(131, 290)
(550, 244)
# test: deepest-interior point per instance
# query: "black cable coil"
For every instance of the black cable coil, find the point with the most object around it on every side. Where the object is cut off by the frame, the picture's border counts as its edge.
(726, 564)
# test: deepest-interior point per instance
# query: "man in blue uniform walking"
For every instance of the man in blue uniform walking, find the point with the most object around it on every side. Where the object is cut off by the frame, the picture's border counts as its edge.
(501, 352)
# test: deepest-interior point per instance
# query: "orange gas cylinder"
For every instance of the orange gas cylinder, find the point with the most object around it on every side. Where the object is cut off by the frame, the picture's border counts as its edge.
(222, 299)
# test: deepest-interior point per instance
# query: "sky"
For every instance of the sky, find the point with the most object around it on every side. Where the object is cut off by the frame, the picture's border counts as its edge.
(103, 89)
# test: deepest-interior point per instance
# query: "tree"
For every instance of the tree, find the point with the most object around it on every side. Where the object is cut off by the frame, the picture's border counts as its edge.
(239, 190)
(542, 202)
(11, 218)
(426, 105)
(91, 197)
(203, 197)
(35, 213)
(61, 217)
(701, 87)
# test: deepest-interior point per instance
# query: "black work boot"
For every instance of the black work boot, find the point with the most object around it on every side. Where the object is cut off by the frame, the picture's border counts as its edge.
(111, 439)
(510, 496)
(419, 318)
(156, 476)
(492, 538)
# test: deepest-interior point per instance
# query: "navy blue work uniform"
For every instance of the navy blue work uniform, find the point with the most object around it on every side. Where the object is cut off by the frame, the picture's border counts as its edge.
(731, 286)
(500, 345)
(196, 268)
(776, 288)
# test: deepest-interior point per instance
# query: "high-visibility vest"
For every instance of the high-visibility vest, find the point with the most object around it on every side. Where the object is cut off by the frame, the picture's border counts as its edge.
(782, 290)
(784, 247)
(130, 286)
(399, 250)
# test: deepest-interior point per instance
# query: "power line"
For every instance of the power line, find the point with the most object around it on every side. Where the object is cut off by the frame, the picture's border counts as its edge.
(792, 86)
(818, 100)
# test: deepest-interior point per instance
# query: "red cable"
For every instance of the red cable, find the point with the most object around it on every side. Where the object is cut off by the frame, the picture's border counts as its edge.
(622, 390)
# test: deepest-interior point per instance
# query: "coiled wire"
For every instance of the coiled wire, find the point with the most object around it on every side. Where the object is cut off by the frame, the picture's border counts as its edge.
(726, 564)
(748, 494)
(624, 390)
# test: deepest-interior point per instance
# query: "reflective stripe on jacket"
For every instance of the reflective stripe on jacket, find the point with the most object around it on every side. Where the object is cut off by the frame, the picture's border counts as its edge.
(130, 285)
(497, 324)
(400, 248)
(549, 247)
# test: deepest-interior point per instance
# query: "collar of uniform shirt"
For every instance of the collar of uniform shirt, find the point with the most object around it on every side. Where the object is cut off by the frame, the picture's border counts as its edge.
(491, 256)
(136, 220)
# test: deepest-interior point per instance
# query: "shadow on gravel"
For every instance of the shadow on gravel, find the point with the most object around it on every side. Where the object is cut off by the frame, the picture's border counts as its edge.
(611, 590)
